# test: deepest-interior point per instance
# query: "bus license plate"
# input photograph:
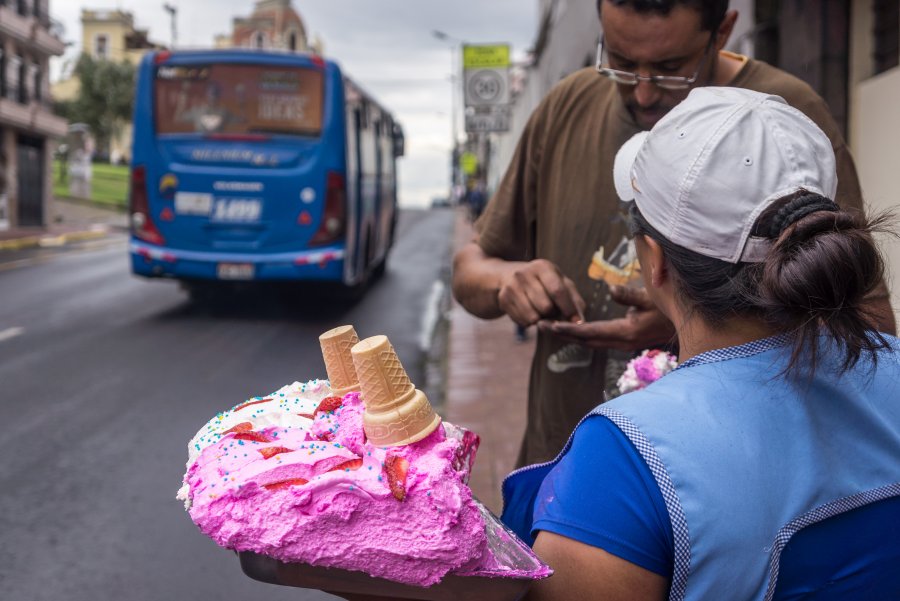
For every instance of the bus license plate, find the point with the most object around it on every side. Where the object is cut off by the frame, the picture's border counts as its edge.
(235, 271)
(236, 210)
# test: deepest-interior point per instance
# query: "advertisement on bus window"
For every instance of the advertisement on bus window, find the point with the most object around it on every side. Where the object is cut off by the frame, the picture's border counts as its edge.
(238, 99)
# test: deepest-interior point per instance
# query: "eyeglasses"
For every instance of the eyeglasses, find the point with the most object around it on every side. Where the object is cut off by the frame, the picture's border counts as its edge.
(666, 82)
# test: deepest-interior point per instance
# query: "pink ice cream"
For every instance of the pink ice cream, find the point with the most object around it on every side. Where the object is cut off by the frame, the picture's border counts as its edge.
(326, 497)
(291, 406)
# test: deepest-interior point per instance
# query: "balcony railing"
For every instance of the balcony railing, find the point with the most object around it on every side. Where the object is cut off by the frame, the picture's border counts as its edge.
(47, 38)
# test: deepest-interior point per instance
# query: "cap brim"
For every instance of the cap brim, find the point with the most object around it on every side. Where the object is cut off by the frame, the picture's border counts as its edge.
(623, 164)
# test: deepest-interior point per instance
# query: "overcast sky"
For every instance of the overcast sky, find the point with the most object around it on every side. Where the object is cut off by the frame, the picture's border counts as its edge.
(385, 45)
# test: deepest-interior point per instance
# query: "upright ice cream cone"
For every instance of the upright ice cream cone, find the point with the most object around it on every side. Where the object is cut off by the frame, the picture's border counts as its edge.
(336, 345)
(396, 412)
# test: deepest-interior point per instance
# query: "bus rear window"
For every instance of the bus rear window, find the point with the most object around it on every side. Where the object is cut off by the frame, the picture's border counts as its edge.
(238, 99)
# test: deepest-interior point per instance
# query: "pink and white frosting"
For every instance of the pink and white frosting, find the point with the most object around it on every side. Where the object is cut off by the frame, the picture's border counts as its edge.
(645, 369)
(322, 495)
(290, 406)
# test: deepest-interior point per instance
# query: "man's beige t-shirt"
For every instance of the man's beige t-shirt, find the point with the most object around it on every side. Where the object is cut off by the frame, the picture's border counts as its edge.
(557, 202)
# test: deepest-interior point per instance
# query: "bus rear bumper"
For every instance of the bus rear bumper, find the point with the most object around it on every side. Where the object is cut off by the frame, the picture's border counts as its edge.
(152, 261)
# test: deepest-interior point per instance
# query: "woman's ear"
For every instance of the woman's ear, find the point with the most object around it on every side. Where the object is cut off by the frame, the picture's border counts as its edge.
(653, 263)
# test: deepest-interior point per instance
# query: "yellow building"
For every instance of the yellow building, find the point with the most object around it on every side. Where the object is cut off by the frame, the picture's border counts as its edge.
(109, 35)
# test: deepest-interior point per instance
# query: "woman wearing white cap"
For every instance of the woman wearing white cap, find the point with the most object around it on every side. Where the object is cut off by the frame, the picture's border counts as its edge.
(767, 466)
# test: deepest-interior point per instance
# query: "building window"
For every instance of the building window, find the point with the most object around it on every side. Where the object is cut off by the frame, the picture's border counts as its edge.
(37, 85)
(101, 46)
(259, 40)
(13, 83)
(23, 81)
(292, 41)
(886, 34)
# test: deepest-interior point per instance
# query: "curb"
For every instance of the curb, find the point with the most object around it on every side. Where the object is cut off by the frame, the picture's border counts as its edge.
(87, 202)
(53, 240)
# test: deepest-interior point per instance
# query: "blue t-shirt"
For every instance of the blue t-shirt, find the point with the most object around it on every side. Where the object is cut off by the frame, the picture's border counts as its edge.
(603, 494)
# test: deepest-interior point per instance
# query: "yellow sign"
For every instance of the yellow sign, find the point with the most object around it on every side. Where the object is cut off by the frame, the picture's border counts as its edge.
(486, 57)
(468, 162)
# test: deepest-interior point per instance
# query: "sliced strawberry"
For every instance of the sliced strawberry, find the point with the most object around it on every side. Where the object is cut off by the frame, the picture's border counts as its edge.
(395, 468)
(241, 427)
(353, 464)
(269, 452)
(286, 483)
(329, 403)
(254, 436)
(307, 415)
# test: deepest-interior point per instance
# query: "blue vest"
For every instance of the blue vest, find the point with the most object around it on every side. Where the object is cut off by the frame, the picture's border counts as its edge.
(745, 457)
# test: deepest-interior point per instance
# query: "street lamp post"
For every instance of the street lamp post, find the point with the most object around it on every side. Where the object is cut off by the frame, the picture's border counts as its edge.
(173, 11)
(455, 45)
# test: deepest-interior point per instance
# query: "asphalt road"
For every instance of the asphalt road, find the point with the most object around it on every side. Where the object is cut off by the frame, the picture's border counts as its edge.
(105, 377)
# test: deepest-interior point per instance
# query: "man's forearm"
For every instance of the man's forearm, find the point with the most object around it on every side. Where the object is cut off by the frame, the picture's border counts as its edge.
(476, 281)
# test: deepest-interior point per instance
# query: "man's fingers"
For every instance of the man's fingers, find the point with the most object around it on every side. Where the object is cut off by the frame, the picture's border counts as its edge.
(537, 294)
(539, 290)
(580, 305)
(517, 306)
(595, 331)
(632, 297)
(563, 294)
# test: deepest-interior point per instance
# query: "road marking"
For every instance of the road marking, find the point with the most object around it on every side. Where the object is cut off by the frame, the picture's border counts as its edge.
(10, 333)
(431, 314)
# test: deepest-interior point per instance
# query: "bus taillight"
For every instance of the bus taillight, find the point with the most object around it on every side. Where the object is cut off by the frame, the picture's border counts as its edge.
(142, 225)
(334, 213)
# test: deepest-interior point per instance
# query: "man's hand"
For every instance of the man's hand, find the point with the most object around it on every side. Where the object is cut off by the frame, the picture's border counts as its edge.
(643, 326)
(538, 290)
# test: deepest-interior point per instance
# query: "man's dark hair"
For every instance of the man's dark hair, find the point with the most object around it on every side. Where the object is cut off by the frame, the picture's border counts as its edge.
(711, 11)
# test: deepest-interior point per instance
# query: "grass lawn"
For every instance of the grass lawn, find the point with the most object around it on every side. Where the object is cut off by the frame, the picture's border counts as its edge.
(109, 184)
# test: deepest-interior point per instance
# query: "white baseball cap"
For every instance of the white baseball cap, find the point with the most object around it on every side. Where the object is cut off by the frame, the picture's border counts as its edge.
(707, 170)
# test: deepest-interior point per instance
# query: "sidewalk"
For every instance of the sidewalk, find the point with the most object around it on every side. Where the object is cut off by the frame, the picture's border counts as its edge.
(487, 388)
(69, 221)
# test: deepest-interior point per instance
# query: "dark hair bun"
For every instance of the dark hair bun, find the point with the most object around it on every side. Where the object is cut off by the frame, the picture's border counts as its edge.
(817, 275)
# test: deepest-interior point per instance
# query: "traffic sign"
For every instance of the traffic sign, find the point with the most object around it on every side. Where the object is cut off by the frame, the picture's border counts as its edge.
(485, 56)
(486, 86)
(487, 118)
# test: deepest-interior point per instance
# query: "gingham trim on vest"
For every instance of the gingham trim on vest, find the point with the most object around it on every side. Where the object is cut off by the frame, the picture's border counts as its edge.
(735, 352)
(680, 533)
(820, 514)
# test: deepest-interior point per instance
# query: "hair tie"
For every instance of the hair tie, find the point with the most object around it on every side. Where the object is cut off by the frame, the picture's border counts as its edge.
(797, 209)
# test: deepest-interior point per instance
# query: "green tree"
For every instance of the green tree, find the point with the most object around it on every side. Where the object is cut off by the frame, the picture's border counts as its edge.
(105, 99)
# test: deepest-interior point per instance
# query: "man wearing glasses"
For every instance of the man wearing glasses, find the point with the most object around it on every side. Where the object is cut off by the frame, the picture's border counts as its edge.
(551, 247)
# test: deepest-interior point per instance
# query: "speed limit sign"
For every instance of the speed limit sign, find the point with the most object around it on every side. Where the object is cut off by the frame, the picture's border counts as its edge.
(486, 86)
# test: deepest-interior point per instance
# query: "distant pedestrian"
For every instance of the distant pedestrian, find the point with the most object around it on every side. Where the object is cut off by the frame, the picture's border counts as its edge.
(476, 199)
(521, 333)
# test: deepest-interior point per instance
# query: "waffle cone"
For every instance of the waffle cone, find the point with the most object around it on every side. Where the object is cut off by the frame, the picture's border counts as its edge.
(396, 412)
(336, 345)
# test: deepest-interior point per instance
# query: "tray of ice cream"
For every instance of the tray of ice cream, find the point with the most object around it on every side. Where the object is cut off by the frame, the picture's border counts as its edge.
(354, 485)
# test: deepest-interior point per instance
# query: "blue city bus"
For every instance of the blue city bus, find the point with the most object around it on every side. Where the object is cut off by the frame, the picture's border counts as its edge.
(259, 166)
